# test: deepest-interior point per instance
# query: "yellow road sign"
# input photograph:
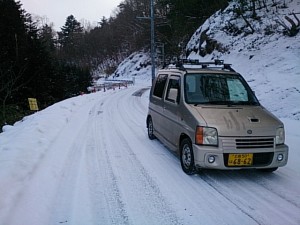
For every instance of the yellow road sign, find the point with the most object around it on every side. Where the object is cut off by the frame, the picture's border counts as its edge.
(33, 104)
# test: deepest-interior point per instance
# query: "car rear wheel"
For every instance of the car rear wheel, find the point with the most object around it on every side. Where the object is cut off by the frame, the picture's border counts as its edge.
(150, 128)
(187, 157)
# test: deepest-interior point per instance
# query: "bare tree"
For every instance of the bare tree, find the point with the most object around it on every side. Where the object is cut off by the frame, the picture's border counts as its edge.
(294, 28)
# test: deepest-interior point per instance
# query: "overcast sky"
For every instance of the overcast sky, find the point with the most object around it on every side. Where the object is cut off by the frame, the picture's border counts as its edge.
(58, 10)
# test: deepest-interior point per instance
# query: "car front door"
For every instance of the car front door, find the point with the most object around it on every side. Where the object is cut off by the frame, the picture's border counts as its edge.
(171, 109)
(156, 102)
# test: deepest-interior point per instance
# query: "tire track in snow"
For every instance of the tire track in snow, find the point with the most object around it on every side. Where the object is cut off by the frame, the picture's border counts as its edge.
(136, 185)
(229, 198)
(107, 201)
(87, 192)
(67, 205)
(74, 201)
(251, 197)
(88, 177)
(267, 181)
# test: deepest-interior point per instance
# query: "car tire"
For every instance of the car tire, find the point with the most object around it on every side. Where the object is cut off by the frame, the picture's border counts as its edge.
(187, 157)
(150, 128)
(268, 170)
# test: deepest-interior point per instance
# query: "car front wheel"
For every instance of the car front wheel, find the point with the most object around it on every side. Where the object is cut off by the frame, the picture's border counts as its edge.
(187, 157)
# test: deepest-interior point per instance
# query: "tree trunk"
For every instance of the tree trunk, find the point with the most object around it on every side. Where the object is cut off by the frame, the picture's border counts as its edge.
(254, 15)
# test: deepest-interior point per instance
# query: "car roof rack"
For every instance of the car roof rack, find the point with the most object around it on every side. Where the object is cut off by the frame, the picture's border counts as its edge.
(185, 64)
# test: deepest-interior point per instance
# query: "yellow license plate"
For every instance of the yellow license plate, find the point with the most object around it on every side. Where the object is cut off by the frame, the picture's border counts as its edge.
(240, 159)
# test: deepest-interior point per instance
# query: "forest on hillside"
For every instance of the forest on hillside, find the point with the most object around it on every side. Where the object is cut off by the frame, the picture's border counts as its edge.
(38, 62)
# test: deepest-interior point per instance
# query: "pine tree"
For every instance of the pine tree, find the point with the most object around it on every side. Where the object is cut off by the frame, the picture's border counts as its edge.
(70, 38)
(46, 35)
(12, 52)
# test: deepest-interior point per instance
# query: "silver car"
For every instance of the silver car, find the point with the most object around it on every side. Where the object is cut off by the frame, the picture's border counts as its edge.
(210, 116)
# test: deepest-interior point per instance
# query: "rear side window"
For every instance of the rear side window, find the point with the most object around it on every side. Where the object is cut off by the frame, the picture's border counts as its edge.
(173, 87)
(160, 85)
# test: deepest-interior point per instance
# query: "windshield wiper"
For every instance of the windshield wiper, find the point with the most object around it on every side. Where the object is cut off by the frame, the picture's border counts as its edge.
(243, 103)
(216, 103)
(230, 103)
(227, 103)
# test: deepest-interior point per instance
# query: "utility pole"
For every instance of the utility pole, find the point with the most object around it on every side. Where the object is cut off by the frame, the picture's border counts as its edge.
(152, 39)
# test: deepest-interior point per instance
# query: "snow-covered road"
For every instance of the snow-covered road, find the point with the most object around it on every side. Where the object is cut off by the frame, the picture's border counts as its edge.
(88, 161)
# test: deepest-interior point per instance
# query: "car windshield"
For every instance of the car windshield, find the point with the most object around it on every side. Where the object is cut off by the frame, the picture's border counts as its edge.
(218, 89)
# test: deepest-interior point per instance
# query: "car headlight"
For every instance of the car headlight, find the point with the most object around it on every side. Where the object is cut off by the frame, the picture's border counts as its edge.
(280, 136)
(206, 136)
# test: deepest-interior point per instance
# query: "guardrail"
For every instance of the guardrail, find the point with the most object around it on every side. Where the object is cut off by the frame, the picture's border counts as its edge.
(110, 84)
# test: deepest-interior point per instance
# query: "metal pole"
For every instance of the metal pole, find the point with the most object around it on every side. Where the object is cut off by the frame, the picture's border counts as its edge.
(152, 39)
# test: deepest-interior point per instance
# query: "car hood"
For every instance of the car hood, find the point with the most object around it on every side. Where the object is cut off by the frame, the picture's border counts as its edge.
(240, 121)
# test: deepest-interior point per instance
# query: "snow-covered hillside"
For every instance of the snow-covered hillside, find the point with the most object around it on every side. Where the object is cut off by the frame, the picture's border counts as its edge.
(137, 64)
(268, 59)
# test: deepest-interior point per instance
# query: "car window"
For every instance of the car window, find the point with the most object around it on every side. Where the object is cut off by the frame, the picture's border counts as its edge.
(160, 85)
(221, 89)
(173, 89)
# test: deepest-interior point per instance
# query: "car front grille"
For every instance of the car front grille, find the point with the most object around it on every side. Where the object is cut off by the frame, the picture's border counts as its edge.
(254, 143)
(232, 143)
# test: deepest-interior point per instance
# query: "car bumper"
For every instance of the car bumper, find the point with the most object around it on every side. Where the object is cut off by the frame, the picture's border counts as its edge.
(263, 158)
